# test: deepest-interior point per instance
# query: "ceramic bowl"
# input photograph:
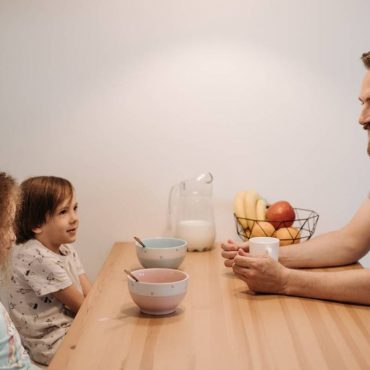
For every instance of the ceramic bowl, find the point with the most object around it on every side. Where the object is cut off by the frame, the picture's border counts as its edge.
(161, 252)
(159, 290)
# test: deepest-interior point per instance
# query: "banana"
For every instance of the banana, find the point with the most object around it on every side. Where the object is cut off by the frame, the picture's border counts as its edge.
(261, 209)
(251, 198)
(239, 208)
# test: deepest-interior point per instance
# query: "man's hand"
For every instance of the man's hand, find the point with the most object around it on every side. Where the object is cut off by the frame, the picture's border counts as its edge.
(230, 250)
(262, 274)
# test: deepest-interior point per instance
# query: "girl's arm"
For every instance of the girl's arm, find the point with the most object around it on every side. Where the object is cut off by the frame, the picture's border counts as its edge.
(85, 284)
(71, 297)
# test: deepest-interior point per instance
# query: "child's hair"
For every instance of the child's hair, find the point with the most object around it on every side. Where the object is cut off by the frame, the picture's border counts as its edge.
(8, 198)
(40, 197)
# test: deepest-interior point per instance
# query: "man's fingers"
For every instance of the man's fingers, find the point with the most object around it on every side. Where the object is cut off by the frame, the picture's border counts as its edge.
(229, 263)
(240, 276)
(244, 261)
(242, 252)
(229, 255)
(245, 246)
(229, 247)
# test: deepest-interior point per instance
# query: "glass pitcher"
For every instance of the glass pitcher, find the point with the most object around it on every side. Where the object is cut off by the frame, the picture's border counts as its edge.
(190, 212)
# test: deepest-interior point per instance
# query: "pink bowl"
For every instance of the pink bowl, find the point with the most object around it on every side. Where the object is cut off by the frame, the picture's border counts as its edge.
(159, 290)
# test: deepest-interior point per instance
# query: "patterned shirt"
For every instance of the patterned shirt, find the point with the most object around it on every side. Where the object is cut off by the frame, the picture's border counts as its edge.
(12, 353)
(40, 318)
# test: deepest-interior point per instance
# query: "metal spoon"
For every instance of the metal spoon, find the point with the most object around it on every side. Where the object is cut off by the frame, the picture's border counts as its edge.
(131, 275)
(139, 241)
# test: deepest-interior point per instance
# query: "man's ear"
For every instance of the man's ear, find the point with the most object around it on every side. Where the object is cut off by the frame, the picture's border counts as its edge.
(37, 230)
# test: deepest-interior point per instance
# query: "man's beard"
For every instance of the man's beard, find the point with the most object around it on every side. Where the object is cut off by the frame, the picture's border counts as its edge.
(367, 128)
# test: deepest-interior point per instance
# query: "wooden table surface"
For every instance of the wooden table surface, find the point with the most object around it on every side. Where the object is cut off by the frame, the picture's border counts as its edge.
(218, 325)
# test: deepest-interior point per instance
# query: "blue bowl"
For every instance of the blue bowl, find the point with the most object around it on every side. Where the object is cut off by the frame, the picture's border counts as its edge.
(161, 252)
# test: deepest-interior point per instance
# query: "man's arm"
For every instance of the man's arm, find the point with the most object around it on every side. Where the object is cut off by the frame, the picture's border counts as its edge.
(344, 286)
(341, 247)
(263, 274)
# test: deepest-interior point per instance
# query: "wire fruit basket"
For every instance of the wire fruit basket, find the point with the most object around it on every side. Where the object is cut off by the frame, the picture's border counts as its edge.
(305, 223)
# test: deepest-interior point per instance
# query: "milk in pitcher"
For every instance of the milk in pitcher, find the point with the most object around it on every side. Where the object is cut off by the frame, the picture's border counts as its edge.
(200, 234)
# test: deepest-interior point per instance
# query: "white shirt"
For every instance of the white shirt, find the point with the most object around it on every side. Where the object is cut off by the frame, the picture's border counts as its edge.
(40, 318)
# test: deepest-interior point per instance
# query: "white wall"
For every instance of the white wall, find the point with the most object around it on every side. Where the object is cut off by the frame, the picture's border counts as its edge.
(126, 98)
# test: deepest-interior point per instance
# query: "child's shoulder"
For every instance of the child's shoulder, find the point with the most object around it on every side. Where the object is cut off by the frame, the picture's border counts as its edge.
(67, 249)
(32, 249)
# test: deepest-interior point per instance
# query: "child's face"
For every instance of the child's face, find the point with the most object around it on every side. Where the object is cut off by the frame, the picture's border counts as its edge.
(61, 227)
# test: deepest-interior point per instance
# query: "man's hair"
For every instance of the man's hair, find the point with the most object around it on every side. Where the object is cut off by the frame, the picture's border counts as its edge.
(40, 197)
(8, 199)
(366, 59)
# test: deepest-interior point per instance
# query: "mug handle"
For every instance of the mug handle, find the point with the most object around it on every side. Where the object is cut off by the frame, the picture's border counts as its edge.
(269, 251)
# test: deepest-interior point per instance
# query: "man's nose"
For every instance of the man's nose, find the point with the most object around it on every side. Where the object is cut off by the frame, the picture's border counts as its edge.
(364, 115)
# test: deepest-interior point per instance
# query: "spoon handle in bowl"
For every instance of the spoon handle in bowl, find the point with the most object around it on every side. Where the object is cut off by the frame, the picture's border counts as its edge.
(131, 275)
(139, 241)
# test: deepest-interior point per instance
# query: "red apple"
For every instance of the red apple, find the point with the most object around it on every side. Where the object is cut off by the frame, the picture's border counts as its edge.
(280, 214)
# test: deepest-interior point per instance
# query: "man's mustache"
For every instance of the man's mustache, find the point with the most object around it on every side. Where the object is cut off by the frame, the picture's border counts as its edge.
(366, 126)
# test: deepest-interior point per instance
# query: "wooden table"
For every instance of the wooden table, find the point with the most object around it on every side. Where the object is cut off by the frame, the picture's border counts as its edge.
(218, 325)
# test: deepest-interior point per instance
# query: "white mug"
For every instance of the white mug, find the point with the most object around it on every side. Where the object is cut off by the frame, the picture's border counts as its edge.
(259, 246)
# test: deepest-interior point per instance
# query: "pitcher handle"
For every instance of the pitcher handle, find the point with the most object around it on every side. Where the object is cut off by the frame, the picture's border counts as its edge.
(170, 228)
(207, 176)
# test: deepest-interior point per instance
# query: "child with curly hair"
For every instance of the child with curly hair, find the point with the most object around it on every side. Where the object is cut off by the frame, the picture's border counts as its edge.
(12, 353)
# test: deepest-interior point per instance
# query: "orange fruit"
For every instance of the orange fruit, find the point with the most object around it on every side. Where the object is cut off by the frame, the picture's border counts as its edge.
(262, 228)
(288, 235)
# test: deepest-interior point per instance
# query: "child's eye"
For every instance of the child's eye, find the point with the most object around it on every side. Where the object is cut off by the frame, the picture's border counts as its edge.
(63, 212)
(75, 207)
